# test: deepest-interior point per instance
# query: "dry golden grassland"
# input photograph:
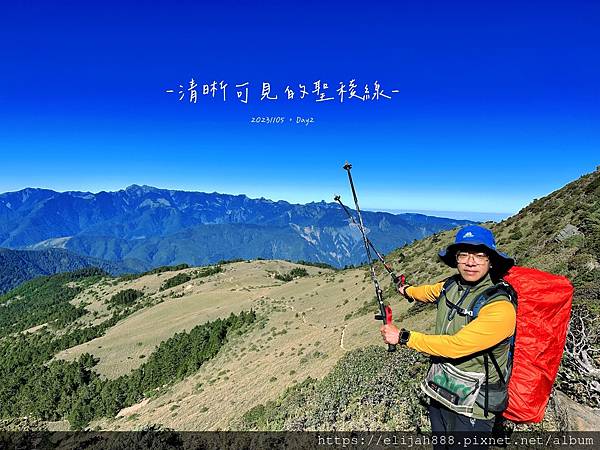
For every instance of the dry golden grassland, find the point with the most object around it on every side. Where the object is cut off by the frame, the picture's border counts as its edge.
(309, 323)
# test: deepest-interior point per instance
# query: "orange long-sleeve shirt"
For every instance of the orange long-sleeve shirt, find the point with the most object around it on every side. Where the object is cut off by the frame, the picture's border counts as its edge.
(494, 323)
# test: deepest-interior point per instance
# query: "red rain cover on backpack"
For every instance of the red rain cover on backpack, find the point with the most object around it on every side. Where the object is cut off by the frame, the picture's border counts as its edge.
(543, 312)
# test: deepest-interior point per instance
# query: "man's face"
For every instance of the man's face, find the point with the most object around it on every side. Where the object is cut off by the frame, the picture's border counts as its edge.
(472, 264)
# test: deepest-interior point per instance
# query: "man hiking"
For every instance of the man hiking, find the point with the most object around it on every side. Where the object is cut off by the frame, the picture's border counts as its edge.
(467, 381)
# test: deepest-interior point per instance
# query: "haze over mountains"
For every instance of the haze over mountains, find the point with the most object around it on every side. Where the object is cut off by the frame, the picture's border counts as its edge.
(143, 226)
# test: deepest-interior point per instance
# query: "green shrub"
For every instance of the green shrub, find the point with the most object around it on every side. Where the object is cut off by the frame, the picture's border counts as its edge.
(516, 235)
(207, 271)
(297, 272)
(178, 279)
(126, 297)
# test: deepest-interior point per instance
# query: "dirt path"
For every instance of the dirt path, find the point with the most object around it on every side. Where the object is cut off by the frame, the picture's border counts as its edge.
(132, 409)
(342, 338)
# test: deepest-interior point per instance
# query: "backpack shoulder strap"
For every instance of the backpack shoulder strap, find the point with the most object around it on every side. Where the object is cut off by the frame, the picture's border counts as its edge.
(501, 289)
(448, 283)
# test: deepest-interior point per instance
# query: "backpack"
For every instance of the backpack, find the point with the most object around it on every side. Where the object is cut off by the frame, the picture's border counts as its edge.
(543, 311)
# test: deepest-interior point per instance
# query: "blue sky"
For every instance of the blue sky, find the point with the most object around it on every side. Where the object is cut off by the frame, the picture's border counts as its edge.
(498, 102)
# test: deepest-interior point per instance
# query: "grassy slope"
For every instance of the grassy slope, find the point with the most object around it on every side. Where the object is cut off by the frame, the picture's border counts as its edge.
(169, 311)
(312, 323)
(530, 236)
(533, 237)
(301, 336)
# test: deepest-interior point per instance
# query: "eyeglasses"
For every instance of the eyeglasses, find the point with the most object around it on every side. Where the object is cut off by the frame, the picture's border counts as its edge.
(478, 258)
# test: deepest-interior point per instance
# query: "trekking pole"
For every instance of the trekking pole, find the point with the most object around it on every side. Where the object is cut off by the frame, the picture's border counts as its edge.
(385, 312)
(395, 279)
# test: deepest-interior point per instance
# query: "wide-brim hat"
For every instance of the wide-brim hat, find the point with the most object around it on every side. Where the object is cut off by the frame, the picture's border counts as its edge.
(481, 239)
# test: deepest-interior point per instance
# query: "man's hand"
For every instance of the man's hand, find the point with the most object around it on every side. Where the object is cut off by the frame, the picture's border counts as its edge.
(390, 333)
(401, 289)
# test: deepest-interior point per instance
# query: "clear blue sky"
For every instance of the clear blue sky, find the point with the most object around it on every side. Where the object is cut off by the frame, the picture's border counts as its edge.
(498, 102)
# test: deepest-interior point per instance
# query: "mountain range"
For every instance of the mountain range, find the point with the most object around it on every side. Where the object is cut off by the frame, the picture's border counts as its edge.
(144, 227)
(305, 353)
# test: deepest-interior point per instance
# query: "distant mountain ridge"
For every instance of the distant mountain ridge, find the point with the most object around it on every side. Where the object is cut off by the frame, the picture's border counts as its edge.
(160, 226)
(18, 266)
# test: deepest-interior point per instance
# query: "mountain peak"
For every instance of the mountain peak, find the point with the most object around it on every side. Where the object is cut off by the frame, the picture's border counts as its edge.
(143, 189)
